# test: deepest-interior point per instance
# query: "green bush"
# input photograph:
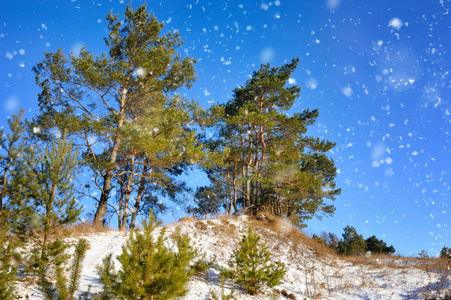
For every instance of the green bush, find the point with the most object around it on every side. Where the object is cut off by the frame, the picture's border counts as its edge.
(250, 266)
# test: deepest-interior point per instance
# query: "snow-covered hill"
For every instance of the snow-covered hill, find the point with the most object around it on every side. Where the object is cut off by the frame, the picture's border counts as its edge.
(312, 271)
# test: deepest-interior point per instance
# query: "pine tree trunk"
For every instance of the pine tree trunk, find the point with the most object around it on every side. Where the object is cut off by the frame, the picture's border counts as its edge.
(128, 191)
(121, 203)
(234, 191)
(142, 185)
(101, 209)
(243, 175)
(3, 191)
(108, 177)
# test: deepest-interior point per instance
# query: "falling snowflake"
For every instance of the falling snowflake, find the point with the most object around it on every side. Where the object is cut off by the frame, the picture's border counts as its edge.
(395, 23)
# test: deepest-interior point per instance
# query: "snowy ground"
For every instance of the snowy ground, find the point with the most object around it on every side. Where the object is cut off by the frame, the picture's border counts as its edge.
(310, 274)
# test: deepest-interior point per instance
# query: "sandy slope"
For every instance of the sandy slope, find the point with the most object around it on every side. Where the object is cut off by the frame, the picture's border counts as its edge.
(308, 275)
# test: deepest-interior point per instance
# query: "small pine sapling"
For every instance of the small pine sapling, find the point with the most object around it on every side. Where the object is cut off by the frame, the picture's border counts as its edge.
(75, 269)
(149, 269)
(65, 288)
(250, 266)
(223, 296)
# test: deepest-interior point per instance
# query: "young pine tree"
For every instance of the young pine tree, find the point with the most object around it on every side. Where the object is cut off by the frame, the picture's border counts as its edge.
(250, 266)
(149, 269)
(46, 185)
(11, 150)
(11, 147)
(8, 258)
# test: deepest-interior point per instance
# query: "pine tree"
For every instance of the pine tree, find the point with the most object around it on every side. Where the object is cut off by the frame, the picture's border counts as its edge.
(223, 296)
(208, 201)
(9, 258)
(14, 216)
(250, 266)
(149, 269)
(374, 245)
(9, 162)
(45, 185)
(75, 269)
(270, 160)
(352, 243)
(101, 100)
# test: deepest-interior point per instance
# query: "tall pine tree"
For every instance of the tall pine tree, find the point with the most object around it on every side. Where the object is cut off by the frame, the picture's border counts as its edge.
(99, 98)
(270, 160)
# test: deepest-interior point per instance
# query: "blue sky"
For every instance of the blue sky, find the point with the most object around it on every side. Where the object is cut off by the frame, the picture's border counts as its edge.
(378, 71)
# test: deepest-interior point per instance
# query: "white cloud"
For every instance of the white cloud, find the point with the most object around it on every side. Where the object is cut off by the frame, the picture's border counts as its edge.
(291, 81)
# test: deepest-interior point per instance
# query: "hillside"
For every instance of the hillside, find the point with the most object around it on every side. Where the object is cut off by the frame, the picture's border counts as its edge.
(312, 270)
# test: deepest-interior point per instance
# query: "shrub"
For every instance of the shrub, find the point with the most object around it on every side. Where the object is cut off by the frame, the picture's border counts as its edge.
(423, 254)
(250, 266)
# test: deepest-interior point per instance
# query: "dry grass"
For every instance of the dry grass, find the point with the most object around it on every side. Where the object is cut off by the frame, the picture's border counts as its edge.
(321, 268)
(82, 228)
(288, 233)
(377, 260)
(189, 219)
